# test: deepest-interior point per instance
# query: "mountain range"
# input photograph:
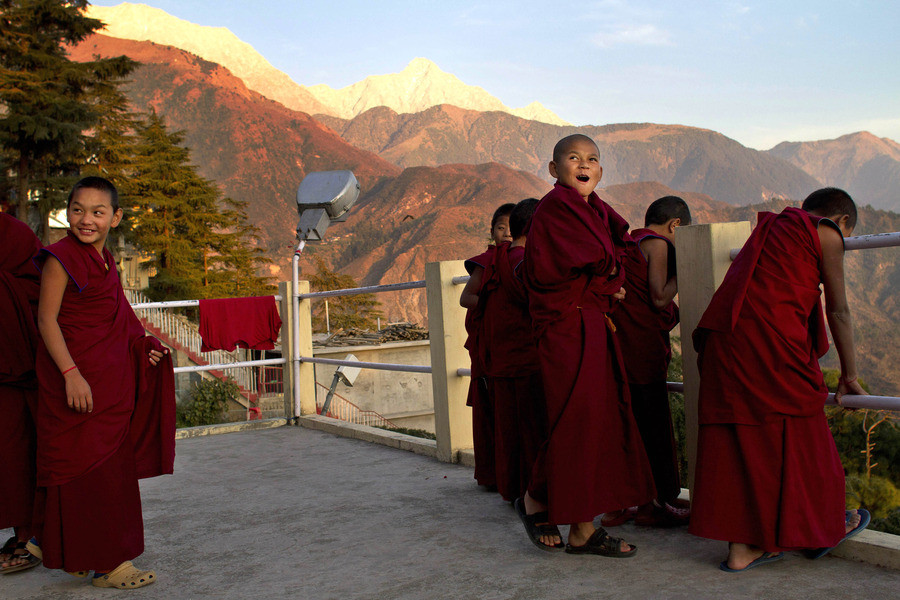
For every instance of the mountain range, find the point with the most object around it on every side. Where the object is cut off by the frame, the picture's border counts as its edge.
(258, 150)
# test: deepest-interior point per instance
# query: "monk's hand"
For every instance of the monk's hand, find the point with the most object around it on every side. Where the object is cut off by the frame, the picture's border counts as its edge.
(845, 387)
(620, 295)
(78, 392)
(156, 356)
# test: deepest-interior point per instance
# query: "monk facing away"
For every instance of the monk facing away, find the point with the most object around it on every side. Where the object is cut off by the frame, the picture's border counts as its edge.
(593, 458)
(19, 287)
(768, 476)
(105, 413)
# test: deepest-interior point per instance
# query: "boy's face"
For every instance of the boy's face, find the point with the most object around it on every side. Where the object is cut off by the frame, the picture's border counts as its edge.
(91, 216)
(500, 232)
(579, 167)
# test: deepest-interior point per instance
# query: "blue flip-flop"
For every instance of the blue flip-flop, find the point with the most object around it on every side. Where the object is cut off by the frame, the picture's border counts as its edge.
(864, 519)
(767, 557)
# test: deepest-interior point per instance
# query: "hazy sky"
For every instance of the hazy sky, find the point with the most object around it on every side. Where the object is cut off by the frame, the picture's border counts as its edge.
(759, 72)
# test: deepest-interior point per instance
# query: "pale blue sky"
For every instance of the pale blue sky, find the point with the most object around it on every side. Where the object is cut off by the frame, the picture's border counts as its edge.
(759, 72)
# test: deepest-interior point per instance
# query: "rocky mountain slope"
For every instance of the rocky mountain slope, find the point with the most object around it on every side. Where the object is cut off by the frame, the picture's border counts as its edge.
(684, 158)
(419, 86)
(868, 167)
(259, 151)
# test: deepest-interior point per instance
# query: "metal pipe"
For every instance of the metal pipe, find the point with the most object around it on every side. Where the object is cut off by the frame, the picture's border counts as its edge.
(867, 402)
(295, 303)
(461, 372)
(369, 289)
(859, 242)
(176, 303)
(460, 280)
(368, 365)
(234, 365)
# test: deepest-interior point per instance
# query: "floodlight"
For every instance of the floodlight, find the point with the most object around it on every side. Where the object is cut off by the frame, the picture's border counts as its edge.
(323, 198)
(346, 374)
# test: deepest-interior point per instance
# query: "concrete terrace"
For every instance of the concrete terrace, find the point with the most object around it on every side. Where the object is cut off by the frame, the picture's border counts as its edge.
(293, 512)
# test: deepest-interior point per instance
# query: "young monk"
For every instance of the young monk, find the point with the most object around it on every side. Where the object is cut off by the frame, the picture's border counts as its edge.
(509, 355)
(768, 476)
(479, 397)
(94, 440)
(593, 459)
(19, 288)
(643, 321)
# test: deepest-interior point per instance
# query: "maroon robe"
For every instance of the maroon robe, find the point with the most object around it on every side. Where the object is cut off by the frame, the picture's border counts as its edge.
(768, 473)
(479, 396)
(88, 464)
(594, 459)
(19, 291)
(643, 333)
(510, 358)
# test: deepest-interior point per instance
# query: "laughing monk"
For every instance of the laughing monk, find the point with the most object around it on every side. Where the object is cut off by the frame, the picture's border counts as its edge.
(768, 475)
(593, 459)
(19, 287)
(106, 402)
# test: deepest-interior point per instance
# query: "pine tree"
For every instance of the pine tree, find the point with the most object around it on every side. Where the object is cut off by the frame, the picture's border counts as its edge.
(48, 100)
(344, 312)
(199, 249)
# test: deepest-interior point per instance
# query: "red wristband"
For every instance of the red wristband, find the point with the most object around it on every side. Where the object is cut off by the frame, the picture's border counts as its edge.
(69, 369)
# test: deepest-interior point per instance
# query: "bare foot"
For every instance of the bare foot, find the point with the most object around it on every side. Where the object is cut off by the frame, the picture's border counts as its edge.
(741, 555)
(852, 521)
(580, 533)
(532, 506)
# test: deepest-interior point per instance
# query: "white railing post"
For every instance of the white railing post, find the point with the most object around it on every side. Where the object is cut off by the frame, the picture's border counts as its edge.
(703, 255)
(447, 332)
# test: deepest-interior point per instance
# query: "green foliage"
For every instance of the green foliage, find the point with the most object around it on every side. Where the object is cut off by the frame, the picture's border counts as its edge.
(50, 103)
(419, 433)
(832, 376)
(876, 494)
(676, 406)
(344, 312)
(848, 429)
(888, 524)
(207, 402)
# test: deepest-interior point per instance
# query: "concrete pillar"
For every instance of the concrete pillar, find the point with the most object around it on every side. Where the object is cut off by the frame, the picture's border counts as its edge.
(447, 330)
(306, 403)
(703, 256)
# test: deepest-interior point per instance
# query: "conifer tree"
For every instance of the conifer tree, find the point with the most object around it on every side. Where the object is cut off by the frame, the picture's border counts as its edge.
(47, 99)
(358, 310)
(199, 249)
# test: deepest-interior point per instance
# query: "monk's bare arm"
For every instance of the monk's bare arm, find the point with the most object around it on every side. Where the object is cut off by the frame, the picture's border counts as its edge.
(837, 309)
(662, 287)
(469, 296)
(53, 285)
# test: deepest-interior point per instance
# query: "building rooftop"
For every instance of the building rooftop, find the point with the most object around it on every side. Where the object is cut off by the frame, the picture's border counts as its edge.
(292, 512)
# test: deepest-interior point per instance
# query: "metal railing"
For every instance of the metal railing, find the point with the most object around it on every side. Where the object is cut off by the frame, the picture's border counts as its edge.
(344, 410)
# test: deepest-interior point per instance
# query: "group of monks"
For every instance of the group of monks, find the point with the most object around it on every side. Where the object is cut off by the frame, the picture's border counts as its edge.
(88, 400)
(568, 320)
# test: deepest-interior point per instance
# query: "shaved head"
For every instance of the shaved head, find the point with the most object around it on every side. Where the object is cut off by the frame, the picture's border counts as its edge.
(564, 144)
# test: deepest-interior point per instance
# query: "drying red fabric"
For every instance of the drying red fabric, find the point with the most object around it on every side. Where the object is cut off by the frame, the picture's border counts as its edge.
(768, 473)
(19, 289)
(229, 323)
(594, 459)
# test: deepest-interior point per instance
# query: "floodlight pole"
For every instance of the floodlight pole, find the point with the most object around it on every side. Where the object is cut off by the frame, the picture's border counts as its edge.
(295, 347)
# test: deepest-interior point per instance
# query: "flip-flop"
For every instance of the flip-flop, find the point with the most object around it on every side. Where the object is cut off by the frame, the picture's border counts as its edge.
(535, 531)
(864, 519)
(602, 544)
(30, 559)
(767, 557)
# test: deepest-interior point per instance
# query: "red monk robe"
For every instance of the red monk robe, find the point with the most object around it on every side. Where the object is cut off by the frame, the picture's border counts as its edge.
(509, 356)
(594, 459)
(768, 473)
(643, 333)
(88, 464)
(479, 397)
(19, 291)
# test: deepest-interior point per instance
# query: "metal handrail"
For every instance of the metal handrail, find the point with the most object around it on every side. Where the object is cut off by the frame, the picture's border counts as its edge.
(858, 242)
(368, 365)
(369, 289)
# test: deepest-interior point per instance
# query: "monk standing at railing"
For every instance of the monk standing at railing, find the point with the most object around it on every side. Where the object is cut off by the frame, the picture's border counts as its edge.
(768, 475)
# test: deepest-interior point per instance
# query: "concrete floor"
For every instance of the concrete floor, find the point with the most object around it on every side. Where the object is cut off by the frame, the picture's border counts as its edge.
(298, 513)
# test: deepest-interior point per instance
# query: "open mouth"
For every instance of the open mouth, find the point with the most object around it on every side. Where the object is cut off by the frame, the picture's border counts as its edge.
(582, 178)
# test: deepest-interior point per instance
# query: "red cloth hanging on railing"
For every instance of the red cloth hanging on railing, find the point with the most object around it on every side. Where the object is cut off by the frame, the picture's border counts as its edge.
(228, 323)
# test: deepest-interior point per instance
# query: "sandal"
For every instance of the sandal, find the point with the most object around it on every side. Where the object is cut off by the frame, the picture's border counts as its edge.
(125, 577)
(864, 519)
(17, 550)
(537, 525)
(602, 544)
